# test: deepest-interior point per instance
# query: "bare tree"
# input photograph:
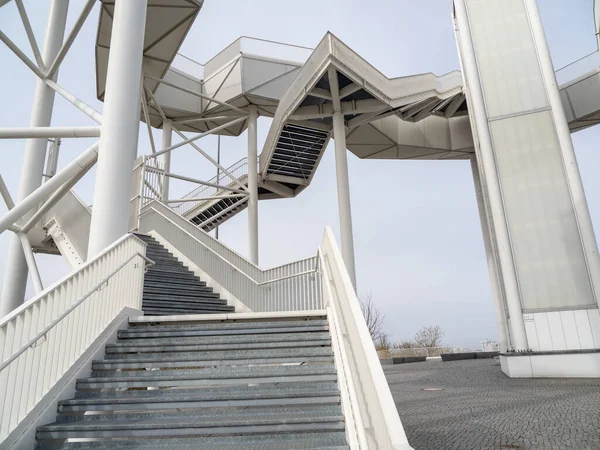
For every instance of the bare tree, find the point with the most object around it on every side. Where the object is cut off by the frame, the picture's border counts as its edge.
(373, 317)
(429, 336)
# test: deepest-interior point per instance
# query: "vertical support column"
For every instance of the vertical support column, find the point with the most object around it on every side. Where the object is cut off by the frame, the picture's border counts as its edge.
(497, 292)
(253, 184)
(485, 154)
(15, 279)
(343, 188)
(118, 142)
(165, 158)
(343, 183)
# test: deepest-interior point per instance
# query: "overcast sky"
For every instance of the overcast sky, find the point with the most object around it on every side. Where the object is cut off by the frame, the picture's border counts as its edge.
(418, 242)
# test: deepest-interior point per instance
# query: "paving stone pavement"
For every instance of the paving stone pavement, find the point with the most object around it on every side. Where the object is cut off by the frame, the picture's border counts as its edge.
(480, 408)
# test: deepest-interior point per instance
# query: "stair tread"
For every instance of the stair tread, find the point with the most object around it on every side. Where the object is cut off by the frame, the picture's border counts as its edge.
(248, 338)
(198, 419)
(305, 441)
(223, 390)
(224, 355)
(142, 328)
(177, 395)
(212, 372)
(219, 332)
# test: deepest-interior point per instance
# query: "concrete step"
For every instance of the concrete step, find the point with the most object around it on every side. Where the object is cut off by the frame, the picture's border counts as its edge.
(175, 364)
(186, 280)
(219, 376)
(151, 286)
(262, 328)
(227, 325)
(233, 339)
(204, 398)
(290, 441)
(201, 414)
(156, 274)
(226, 355)
(272, 420)
(158, 405)
(324, 440)
(215, 392)
(165, 310)
(183, 303)
(264, 345)
(173, 293)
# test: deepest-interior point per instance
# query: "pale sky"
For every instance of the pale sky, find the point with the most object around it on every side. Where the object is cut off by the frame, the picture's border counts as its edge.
(418, 242)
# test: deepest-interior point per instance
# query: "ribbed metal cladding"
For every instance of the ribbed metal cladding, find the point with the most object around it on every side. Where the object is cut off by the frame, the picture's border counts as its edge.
(259, 290)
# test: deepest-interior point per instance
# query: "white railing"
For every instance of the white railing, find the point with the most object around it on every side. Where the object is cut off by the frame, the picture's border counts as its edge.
(371, 416)
(41, 340)
(238, 170)
(291, 287)
(578, 68)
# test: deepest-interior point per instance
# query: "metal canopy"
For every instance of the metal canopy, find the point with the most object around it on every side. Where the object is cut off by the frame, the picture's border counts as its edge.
(167, 24)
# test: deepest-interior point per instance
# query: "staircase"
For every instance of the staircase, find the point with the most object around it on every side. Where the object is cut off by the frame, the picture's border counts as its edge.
(170, 288)
(202, 384)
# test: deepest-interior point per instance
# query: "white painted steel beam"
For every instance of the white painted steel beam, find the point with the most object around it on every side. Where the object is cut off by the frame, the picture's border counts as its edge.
(87, 8)
(118, 144)
(15, 278)
(78, 103)
(79, 164)
(30, 34)
(198, 136)
(253, 184)
(31, 264)
(215, 163)
(49, 132)
(22, 56)
(327, 110)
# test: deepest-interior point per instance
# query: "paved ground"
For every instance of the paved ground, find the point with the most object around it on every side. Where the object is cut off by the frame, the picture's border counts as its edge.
(480, 408)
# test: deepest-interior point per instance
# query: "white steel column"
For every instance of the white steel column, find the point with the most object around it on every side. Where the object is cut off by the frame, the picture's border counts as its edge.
(343, 188)
(253, 184)
(118, 142)
(497, 294)
(485, 154)
(15, 278)
(165, 158)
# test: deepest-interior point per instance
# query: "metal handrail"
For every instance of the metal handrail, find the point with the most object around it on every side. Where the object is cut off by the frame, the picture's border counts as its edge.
(70, 309)
(41, 295)
(233, 266)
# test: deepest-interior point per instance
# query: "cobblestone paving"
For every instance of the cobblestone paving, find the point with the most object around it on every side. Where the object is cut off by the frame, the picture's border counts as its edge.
(480, 408)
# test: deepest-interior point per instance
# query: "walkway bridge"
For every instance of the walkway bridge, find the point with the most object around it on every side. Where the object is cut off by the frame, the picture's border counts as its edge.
(122, 350)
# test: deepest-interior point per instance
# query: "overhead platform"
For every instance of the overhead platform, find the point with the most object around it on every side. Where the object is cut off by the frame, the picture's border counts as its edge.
(415, 117)
(201, 97)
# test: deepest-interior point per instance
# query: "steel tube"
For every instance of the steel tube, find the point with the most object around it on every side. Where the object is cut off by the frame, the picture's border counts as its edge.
(118, 143)
(167, 140)
(253, 184)
(15, 279)
(31, 264)
(49, 132)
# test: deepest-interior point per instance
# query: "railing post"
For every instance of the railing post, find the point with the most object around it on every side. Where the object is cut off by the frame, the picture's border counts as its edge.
(15, 279)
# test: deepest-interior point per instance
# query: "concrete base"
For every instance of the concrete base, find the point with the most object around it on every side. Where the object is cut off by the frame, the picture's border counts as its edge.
(560, 364)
